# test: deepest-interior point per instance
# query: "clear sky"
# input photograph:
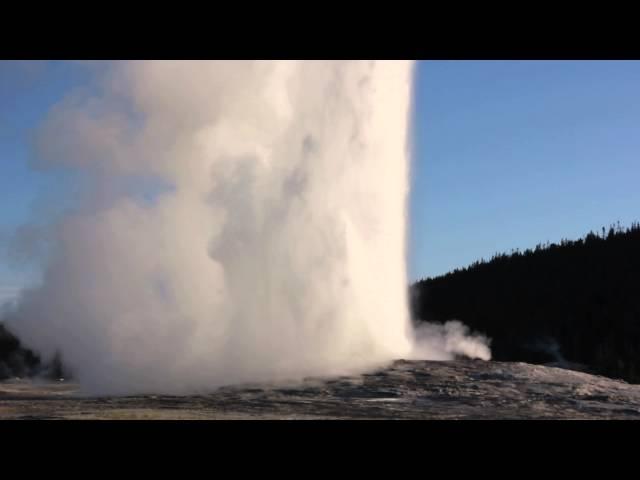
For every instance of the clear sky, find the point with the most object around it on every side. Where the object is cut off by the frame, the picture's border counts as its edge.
(510, 154)
(506, 154)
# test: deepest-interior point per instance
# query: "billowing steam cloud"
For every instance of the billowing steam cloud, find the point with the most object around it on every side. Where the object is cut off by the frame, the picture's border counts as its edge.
(272, 242)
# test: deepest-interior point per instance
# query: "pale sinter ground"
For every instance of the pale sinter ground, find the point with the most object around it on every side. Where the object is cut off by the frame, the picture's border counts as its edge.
(406, 390)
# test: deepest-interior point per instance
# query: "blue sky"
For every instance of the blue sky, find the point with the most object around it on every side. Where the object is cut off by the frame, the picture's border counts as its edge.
(507, 154)
(510, 154)
(27, 91)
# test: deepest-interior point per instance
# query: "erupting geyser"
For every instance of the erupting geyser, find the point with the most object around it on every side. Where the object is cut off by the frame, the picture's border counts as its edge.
(277, 252)
(275, 248)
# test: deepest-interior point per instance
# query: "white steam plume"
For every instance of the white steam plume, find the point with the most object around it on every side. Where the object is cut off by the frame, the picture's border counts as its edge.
(447, 341)
(278, 250)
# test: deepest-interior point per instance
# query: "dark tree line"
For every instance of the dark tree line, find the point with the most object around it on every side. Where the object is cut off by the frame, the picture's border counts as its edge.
(577, 300)
(15, 360)
(18, 361)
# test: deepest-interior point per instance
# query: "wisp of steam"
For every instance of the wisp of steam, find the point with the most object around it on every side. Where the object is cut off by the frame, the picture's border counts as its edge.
(275, 248)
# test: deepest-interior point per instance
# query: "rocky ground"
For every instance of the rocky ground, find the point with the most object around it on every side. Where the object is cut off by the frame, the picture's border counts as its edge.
(406, 390)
